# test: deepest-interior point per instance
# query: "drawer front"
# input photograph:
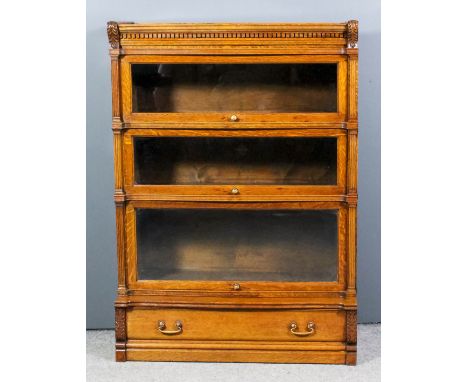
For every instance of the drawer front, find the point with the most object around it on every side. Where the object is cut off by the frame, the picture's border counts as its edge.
(192, 324)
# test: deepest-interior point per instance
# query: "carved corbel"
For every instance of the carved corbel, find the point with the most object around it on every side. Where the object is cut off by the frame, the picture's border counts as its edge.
(120, 334)
(351, 326)
(113, 34)
(352, 33)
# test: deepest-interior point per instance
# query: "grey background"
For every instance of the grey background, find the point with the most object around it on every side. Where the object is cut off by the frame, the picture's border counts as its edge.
(100, 240)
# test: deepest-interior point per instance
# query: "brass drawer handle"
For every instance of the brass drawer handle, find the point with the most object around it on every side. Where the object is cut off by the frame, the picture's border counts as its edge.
(234, 118)
(162, 328)
(235, 191)
(310, 329)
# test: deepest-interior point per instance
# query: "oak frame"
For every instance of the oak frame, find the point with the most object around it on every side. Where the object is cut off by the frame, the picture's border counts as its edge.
(245, 43)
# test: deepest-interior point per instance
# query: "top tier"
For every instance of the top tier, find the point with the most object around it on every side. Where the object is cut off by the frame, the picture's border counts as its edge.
(235, 75)
(209, 38)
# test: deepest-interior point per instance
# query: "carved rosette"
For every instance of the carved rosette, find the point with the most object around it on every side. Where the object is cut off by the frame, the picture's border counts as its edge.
(352, 33)
(113, 34)
(351, 326)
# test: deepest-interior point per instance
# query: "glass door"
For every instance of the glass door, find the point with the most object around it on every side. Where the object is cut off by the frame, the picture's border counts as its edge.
(216, 163)
(234, 89)
(217, 244)
(269, 88)
(266, 161)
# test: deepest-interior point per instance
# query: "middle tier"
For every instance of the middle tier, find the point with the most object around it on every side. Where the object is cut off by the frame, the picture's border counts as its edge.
(235, 163)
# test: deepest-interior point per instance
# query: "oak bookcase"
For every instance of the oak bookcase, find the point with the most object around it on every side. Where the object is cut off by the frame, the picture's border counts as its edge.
(236, 191)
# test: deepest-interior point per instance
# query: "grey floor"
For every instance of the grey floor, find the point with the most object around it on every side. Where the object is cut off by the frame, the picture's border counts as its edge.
(100, 365)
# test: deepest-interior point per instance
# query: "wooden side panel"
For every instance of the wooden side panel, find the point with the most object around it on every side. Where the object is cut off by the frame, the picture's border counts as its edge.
(118, 174)
(120, 233)
(352, 212)
(352, 162)
(353, 84)
(120, 334)
(115, 73)
(351, 337)
(352, 248)
(352, 182)
(119, 194)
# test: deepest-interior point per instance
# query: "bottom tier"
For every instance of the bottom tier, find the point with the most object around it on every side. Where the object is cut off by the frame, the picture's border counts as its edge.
(243, 335)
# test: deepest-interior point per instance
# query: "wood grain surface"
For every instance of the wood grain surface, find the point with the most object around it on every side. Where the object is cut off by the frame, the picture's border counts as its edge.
(216, 93)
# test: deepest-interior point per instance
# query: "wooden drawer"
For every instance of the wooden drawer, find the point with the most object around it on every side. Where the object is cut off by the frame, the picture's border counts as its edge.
(271, 325)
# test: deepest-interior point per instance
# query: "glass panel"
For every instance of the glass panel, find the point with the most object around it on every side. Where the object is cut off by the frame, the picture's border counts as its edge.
(222, 244)
(293, 161)
(277, 88)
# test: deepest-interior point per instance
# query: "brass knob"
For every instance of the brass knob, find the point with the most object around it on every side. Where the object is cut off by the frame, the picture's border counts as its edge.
(236, 286)
(235, 191)
(234, 118)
